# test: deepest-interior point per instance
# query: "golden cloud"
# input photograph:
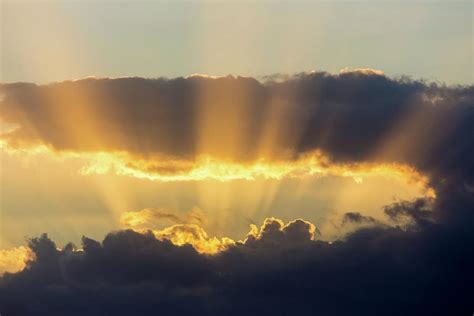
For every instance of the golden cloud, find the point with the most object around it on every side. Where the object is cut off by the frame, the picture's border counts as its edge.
(156, 168)
(195, 236)
(273, 230)
(14, 259)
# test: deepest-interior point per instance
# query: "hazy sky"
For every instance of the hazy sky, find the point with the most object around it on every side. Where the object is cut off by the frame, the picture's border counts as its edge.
(44, 41)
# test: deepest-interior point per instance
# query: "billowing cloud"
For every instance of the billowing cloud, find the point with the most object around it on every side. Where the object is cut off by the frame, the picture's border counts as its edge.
(194, 235)
(372, 269)
(188, 230)
(134, 219)
(150, 217)
(274, 231)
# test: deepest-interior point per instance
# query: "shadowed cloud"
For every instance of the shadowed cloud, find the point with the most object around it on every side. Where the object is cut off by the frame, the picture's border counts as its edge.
(372, 269)
(349, 117)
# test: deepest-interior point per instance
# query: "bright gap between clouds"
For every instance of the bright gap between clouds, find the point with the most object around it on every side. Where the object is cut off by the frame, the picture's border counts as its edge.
(225, 191)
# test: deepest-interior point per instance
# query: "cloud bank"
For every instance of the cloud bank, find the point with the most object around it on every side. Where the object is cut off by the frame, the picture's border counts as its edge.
(277, 269)
(422, 265)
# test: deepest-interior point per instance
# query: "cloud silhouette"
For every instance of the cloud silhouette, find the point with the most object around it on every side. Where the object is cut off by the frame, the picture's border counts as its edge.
(357, 218)
(414, 272)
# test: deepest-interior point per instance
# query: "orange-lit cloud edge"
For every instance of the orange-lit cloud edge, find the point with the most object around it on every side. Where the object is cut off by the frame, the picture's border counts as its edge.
(205, 167)
(14, 259)
(18, 258)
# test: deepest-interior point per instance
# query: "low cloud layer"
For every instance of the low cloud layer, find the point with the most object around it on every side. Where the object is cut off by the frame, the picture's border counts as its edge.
(421, 265)
(278, 269)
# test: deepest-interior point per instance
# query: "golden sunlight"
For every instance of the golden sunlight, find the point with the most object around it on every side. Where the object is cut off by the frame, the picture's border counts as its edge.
(14, 259)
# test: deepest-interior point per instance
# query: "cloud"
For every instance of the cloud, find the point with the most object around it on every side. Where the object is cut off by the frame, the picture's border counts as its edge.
(275, 232)
(373, 269)
(14, 259)
(189, 230)
(417, 213)
(420, 264)
(194, 235)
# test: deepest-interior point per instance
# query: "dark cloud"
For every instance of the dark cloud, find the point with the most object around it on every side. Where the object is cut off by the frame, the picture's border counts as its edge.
(281, 271)
(357, 218)
(348, 116)
(154, 217)
(418, 212)
(275, 233)
(351, 117)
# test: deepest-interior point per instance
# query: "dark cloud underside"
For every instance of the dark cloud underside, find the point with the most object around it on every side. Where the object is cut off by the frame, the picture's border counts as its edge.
(279, 273)
(348, 116)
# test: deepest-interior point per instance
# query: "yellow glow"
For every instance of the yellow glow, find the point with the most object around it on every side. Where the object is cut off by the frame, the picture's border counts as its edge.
(187, 229)
(208, 168)
(14, 259)
(364, 71)
(257, 233)
(229, 210)
(195, 236)
(134, 219)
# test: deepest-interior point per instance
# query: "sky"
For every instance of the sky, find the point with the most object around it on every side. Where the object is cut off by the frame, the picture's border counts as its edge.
(222, 158)
(59, 40)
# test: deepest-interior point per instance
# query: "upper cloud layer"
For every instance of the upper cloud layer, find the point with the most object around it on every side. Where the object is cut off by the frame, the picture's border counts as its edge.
(235, 127)
(13, 260)
(351, 116)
